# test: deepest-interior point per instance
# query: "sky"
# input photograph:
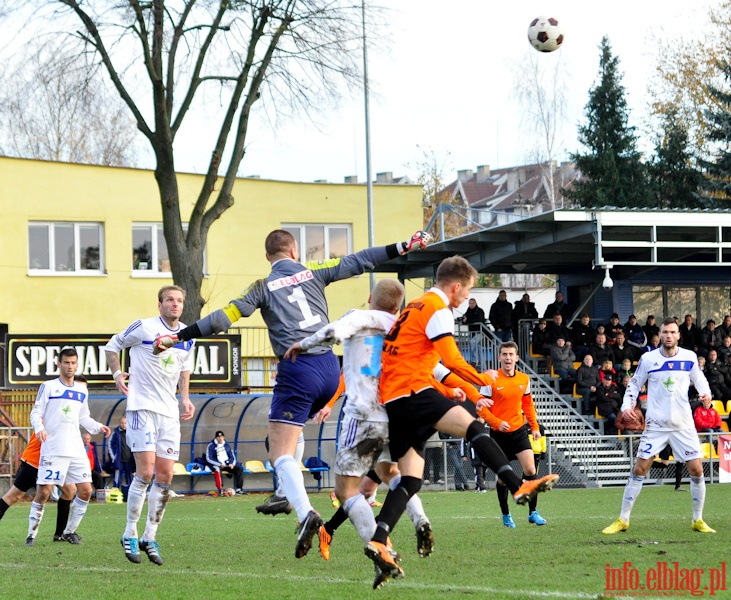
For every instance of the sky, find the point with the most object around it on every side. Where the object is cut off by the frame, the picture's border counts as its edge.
(446, 87)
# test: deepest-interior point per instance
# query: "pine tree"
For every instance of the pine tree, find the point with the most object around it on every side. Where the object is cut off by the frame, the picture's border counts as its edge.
(675, 181)
(718, 171)
(612, 173)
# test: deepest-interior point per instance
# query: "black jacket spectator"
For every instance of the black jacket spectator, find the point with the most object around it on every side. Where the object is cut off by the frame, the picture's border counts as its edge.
(541, 340)
(558, 306)
(717, 374)
(708, 338)
(688, 334)
(622, 350)
(600, 350)
(474, 316)
(612, 328)
(724, 328)
(635, 336)
(724, 350)
(608, 401)
(501, 313)
(650, 328)
(557, 328)
(523, 309)
(582, 333)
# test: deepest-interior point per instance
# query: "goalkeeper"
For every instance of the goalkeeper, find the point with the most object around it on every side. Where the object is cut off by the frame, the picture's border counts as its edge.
(293, 306)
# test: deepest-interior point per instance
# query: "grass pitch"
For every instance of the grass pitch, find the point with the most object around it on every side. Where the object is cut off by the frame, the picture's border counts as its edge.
(221, 548)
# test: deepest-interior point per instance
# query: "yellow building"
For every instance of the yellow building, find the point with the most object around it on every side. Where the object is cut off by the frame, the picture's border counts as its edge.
(83, 253)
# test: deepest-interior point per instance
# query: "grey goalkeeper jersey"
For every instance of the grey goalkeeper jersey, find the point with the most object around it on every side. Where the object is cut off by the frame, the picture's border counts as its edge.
(292, 298)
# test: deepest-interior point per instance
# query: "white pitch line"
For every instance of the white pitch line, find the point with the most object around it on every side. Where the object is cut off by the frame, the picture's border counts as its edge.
(300, 578)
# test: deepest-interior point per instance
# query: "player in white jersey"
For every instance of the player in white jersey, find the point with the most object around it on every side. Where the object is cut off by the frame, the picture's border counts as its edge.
(669, 371)
(364, 428)
(153, 414)
(60, 407)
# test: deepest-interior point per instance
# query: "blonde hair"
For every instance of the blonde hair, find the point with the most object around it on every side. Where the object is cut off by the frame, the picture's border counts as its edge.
(456, 269)
(169, 288)
(388, 295)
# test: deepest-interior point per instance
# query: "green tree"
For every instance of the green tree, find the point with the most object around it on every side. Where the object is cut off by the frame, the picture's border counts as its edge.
(675, 181)
(718, 168)
(612, 173)
(163, 56)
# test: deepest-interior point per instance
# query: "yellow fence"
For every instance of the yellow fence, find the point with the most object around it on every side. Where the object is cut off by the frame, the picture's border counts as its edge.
(17, 404)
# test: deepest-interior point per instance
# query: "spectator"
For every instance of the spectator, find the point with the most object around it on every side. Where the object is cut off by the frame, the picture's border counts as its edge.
(501, 317)
(587, 382)
(601, 351)
(607, 368)
(474, 318)
(707, 338)
(631, 426)
(716, 373)
(706, 418)
(562, 359)
(622, 383)
(96, 472)
(625, 369)
(653, 344)
(558, 306)
(524, 309)
(121, 461)
(455, 458)
(540, 339)
(557, 328)
(612, 328)
(220, 458)
(725, 327)
(688, 334)
(724, 350)
(635, 336)
(582, 335)
(433, 460)
(608, 402)
(650, 328)
(622, 350)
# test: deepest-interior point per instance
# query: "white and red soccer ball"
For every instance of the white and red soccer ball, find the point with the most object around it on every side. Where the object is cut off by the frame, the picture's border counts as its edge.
(545, 34)
(229, 492)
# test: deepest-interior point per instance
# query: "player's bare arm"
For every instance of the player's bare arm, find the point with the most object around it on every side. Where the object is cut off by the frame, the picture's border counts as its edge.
(118, 375)
(188, 408)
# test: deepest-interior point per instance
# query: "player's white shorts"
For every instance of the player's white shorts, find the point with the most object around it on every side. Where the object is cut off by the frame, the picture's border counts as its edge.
(57, 470)
(360, 443)
(149, 431)
(685, 444)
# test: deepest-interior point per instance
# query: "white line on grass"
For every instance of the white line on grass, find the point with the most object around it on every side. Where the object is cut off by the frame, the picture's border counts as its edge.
(297, 578)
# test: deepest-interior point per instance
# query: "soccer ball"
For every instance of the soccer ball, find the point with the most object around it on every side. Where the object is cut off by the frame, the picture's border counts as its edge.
(545, 34)
(229, 492)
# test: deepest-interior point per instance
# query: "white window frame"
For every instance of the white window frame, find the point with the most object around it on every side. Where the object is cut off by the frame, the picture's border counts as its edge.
(77, 270)
(302, 237)
(153, 271)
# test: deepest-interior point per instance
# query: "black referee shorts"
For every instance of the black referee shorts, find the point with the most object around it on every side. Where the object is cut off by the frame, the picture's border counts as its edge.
(512, 442)
(411, 420)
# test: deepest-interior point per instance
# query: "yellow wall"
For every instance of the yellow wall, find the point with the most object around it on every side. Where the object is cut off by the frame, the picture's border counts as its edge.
(36, 190)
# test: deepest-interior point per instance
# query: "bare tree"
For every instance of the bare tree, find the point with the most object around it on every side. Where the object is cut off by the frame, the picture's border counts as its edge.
(160, 56)
(54, 107)
(540, 89)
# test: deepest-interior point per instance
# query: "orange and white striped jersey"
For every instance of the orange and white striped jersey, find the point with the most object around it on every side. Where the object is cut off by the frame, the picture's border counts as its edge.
(422, 335)
(513, 402)
(32, 452)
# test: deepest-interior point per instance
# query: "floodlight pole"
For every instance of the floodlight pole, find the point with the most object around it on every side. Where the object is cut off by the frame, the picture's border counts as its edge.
(369, 183)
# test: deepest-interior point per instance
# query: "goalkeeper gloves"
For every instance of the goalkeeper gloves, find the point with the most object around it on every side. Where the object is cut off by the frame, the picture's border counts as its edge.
(418, 241)
(163, 342)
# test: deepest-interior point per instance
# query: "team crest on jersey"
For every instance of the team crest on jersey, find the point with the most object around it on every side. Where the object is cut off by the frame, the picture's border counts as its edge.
(669, 384)
(67, 412)
(168, 363)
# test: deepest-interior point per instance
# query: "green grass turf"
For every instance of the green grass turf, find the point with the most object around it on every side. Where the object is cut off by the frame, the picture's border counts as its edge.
(221, 548)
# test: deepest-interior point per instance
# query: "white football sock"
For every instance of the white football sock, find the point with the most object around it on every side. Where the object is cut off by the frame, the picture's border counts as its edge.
(35, 517)
(135, 502)
(78, 510)
(631, 492)
(698, 494)
(361, 516)
(156, 504)
(298, 454)
(293, 485)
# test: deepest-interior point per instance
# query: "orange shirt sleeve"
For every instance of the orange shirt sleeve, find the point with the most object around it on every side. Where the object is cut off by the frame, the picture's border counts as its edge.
(455, 381)
(338, 393)
(455, 362)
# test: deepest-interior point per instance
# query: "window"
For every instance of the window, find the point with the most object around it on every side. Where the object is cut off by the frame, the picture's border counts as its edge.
(150, 252)
(702, 303)
(321, 242)
(65, 248)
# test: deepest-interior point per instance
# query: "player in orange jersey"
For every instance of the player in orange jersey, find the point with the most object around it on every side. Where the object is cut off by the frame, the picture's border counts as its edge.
(512, 419)
(421, 336)
(25, 479)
